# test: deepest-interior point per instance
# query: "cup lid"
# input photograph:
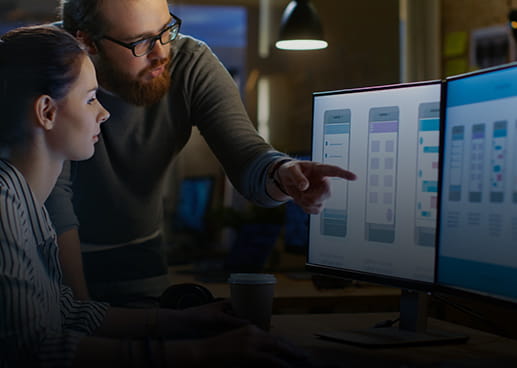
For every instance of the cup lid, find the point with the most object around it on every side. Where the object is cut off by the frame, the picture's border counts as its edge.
(251, 278)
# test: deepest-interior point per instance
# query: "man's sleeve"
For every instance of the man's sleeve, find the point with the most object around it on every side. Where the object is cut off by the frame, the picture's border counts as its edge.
(254, 178)
(218, 111)
(59, 204)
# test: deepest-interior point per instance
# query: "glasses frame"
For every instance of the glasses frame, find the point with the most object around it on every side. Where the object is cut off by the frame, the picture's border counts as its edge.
(174, 23)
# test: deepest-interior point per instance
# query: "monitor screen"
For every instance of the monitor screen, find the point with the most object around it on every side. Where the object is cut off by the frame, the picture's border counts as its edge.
(477, 239)
(380, 227)
(194, 197)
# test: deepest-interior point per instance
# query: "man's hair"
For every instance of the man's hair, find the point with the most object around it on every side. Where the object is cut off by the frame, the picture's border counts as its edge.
(83, 15)
(34, 61)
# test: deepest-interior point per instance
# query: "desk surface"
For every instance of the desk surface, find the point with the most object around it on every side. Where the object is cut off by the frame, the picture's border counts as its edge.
(481, 350)
(301, 296)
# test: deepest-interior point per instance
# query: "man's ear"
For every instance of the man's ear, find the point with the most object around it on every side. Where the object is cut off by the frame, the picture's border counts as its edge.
(87, 41)
(45, 108)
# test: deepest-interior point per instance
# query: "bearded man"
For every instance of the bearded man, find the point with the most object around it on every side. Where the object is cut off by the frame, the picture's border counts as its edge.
(157, 84)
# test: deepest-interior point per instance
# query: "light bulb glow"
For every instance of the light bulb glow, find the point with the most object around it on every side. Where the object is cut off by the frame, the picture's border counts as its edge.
(301, 44)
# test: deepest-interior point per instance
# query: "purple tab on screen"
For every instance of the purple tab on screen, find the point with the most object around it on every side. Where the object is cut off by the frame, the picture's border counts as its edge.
(384, 127)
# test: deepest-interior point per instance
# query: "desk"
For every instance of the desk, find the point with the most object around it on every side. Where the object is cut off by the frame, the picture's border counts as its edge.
(301, 296)
(293, 296)
(481, 350)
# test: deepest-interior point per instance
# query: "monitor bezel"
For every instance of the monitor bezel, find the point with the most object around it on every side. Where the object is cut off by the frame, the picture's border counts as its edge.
(381, 279)
(441, 287)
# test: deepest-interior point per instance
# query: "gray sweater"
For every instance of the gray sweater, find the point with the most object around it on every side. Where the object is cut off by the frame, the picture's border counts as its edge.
(117, 195)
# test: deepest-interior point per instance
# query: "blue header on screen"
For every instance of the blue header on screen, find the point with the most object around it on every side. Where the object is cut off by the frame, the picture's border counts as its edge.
(482, 87)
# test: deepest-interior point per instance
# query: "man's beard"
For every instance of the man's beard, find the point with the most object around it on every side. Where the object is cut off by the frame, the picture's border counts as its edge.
(134, 91)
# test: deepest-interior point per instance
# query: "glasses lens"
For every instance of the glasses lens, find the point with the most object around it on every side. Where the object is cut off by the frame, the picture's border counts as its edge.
(146, 46)
(174, 31)
(143, 47)
(169, 34)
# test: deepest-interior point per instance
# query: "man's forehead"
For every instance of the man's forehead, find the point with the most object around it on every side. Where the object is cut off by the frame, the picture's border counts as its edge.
(133, 18)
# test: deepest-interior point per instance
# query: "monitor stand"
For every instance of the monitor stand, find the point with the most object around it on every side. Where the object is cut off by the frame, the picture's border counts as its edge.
(412, 328)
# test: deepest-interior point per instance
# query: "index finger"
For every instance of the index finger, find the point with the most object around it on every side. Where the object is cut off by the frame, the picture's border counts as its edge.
(334, 171)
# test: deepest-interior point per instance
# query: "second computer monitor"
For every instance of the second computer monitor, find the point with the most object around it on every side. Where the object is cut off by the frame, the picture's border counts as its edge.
(382, 225)
(477, 248)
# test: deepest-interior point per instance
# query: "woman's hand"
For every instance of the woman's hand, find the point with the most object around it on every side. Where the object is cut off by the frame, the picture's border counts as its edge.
(202, 321)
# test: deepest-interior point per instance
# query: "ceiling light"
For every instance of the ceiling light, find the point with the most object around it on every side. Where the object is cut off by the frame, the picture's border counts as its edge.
(300, 28)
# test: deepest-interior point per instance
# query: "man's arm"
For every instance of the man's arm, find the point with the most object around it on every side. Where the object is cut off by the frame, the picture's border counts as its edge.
(72, 263)
(61, 210)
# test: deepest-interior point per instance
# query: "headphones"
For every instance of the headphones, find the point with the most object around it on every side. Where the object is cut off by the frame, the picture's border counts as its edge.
(186, 295)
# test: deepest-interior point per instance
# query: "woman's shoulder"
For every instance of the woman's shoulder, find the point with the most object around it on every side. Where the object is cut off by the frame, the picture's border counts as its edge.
(11, 179)
(12, 207)
(19, 211)
(15, 194)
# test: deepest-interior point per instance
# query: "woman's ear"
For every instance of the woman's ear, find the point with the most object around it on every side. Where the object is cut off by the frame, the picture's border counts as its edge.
(87, 41)
(45, 108)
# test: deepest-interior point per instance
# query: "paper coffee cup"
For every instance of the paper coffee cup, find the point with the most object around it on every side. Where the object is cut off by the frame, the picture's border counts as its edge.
(252, 297)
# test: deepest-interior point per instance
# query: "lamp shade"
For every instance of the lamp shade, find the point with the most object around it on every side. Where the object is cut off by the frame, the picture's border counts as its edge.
(300, 28)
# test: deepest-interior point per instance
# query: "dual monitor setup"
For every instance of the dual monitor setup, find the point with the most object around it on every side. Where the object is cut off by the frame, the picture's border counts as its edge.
(434, 206)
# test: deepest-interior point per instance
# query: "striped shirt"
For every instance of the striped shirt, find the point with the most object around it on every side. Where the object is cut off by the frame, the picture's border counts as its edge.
(40, 322)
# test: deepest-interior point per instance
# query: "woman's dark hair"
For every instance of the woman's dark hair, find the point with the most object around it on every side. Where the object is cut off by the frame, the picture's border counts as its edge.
(83, 15)
(34, 61)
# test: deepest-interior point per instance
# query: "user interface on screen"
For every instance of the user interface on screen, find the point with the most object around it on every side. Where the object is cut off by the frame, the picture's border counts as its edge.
(384, 222)
(478, 207)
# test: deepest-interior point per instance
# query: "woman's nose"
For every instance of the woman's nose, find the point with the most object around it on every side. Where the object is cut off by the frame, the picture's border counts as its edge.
(104, 115)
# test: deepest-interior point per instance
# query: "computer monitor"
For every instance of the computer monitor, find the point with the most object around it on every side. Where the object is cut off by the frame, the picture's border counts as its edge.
(194, 198)
(477, 237)
(380, 227)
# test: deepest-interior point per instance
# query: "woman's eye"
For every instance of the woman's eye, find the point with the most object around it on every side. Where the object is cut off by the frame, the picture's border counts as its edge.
(92, 100)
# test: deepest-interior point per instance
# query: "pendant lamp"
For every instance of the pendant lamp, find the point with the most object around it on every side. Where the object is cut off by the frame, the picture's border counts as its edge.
(300, 28)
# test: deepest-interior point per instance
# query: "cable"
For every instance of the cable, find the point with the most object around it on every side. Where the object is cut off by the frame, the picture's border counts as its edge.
(386, 323)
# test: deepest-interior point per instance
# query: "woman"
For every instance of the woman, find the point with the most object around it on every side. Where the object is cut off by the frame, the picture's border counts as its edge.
(50, 114)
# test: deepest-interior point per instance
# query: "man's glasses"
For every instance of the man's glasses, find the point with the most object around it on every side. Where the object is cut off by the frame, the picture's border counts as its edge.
(146, 45)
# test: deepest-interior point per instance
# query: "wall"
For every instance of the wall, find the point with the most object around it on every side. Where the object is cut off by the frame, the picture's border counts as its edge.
(32, 11)
(467, 16)
(363, 50)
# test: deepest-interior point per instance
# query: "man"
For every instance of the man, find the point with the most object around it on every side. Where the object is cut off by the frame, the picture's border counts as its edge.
(157, 84)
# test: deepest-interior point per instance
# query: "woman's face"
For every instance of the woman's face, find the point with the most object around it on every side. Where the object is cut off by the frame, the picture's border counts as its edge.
(78, 119)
